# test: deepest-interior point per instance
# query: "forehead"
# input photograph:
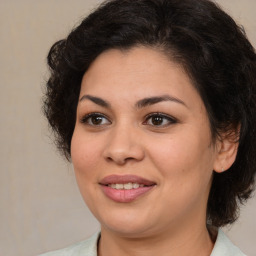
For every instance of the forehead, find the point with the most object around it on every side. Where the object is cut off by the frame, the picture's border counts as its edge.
(138, 72)
(137, 63)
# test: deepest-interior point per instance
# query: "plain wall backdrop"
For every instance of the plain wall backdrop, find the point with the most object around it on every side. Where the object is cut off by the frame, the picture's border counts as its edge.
(41, 208)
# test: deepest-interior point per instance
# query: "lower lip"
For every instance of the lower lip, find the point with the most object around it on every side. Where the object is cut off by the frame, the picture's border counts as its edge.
(125, 195)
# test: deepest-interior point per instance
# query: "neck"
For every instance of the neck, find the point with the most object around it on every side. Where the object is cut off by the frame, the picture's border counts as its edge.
(193, 241)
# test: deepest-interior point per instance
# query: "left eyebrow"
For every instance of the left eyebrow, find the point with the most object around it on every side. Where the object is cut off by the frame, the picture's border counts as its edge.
(154, 100)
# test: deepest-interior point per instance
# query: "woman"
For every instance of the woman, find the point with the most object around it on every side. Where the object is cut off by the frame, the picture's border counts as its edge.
(154, 103)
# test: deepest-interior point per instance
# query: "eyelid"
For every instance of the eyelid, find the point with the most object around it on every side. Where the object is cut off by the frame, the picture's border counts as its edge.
(171, 119)
(84, 119)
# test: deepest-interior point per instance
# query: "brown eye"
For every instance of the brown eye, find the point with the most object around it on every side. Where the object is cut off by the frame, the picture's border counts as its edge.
(157, 120)
(160, 120)
(95, 119)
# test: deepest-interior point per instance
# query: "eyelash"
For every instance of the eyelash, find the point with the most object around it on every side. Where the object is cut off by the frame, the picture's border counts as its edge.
(86, 118)
(170, 120)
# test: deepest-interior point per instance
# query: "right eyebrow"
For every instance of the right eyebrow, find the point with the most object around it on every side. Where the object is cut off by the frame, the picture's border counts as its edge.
(96, 100)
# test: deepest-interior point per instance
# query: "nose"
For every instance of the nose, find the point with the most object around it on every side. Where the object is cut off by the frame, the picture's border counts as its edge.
(123, 146)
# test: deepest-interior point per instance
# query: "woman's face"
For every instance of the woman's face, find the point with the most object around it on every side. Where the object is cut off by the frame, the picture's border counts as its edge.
(141, 148)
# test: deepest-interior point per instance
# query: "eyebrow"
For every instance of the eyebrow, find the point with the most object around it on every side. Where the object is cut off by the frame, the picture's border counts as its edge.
(140, 104)
(96, 100)
(153, 100)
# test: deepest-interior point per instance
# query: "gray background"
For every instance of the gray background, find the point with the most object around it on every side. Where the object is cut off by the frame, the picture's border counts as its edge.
(41, 208)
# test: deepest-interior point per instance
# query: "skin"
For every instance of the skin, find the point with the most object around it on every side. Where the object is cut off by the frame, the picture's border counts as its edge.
(179, 156)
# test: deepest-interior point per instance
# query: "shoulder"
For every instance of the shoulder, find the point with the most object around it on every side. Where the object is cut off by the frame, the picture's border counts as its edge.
(85, 248)
(224, 247)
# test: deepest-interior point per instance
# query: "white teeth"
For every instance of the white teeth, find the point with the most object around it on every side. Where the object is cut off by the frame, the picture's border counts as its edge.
(119, 186)
(126, 186)
(135, 185)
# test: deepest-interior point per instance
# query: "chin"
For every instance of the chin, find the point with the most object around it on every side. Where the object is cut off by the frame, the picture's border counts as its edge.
(127, 223)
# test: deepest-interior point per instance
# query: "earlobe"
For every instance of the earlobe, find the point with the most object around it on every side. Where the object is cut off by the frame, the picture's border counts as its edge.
(226, 154)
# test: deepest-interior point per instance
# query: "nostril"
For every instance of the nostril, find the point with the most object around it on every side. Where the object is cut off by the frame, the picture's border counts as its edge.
(119, 152)
(120, 160)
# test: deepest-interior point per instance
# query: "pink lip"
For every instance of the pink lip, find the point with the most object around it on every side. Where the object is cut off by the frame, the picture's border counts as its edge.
(122, 179)
(123, 195)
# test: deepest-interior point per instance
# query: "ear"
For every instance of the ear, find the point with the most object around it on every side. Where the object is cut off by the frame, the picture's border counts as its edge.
(226, 148)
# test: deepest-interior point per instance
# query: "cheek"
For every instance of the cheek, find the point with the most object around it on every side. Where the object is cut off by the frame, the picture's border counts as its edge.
(187, 154)
(186, 169)
(83, 157)
(172, 153)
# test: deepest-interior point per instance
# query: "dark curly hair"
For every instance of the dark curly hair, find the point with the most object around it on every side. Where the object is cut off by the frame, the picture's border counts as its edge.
(201, 37)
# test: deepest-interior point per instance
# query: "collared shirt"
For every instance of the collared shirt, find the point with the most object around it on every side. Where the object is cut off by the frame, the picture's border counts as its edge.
(223, 247)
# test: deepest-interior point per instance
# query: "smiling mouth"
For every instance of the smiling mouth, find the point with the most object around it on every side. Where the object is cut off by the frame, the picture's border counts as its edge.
(126, 186)
(126, 182)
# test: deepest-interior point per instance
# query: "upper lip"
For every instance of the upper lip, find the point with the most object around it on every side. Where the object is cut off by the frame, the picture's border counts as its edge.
(123, 179)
